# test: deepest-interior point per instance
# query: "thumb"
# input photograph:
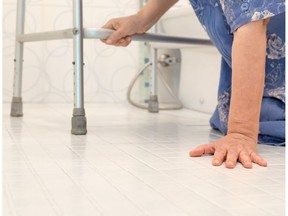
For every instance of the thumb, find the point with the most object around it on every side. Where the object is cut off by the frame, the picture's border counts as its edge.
(120, 30)
(201, 150)
(117, 35)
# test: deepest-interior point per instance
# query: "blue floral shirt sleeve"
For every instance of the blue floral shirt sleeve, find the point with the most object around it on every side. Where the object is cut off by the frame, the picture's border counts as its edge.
(240, 12)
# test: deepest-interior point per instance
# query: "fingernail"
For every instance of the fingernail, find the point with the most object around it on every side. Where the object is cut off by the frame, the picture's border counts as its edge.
(264, 163)
(231, 163)
(216, 161)
(248, 165)
(109, 41)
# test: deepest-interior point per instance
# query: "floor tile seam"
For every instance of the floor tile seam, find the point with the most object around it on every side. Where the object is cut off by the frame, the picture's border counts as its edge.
(237, 178)
(90, 198)
(230, 178)
(125, 152)
(277, 197)
(270, 193)
(12, 136)
(174, 113)
(272, 211)
(177, 183)
(132, 156)
(120, 149)
(198, 193)
(42, 185)
(235, 193)
(256, 186)
(9, 158)
(150, 140)
(231, 209)
(259, 205)
(268, 213)
(142, 180)
(160, 144)
(107, 179)
(275, 183)
(54, 204)
(204, 197)
(113, 147)
(156, 155)
(136, 158)
(87, 194)
(52, 107)
(9, 196)
(109, 141)
(27, 129)
(246, 184)
(153, 188)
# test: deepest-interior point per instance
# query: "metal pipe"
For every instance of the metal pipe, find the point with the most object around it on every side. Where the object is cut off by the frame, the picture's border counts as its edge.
(161, 38)
(19, 49)
(154, 53)
(78, 54)
(45, 36)
(98, 33)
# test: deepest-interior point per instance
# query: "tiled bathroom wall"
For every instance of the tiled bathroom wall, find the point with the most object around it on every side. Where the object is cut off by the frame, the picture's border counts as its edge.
(48, 73)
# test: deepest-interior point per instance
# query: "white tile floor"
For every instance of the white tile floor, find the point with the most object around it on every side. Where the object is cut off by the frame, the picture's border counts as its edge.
(130, 163)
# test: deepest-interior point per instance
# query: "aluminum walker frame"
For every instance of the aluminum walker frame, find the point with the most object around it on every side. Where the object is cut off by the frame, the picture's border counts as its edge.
(78, 34)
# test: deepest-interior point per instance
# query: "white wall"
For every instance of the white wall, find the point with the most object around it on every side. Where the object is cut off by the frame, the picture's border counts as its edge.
(48, 65)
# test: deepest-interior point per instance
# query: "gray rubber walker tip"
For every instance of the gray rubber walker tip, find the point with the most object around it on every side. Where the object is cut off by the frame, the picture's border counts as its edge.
(79, 123)
(153, 105)
(16, 107)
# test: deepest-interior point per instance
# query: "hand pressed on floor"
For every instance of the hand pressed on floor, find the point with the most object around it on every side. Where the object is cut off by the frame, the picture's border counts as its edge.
(231, 148)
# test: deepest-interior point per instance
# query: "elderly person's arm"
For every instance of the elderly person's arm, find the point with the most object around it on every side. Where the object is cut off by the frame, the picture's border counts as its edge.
(248, 75)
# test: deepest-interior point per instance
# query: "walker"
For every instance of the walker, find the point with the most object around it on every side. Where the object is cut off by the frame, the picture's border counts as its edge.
(78, 34)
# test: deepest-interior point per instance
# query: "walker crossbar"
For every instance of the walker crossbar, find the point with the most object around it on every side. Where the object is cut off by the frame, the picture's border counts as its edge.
(98, 33)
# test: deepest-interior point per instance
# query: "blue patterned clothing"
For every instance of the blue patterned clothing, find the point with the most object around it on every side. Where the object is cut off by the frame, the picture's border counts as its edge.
(220, 18)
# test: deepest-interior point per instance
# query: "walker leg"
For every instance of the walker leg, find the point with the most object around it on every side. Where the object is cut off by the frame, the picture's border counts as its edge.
(153, 105)
(79, 124)
(16, 105)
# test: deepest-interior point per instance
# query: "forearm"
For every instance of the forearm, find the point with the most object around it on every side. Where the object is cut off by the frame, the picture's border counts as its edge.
(153, 10)
(248, 74)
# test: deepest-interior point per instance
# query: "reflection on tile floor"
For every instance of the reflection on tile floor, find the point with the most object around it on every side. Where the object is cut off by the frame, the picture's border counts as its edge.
(131, 162)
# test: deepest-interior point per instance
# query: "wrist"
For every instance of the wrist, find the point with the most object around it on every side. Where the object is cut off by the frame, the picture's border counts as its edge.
(247, 129)
(145, 20)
